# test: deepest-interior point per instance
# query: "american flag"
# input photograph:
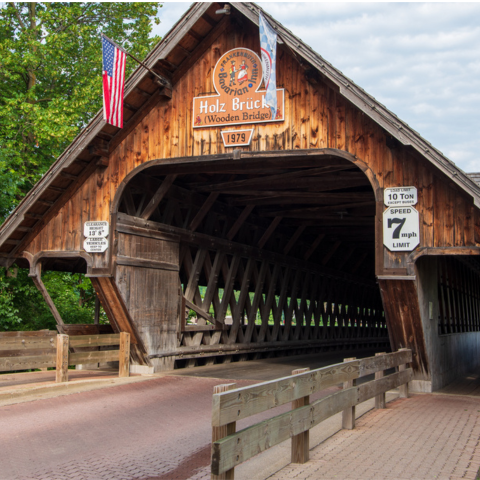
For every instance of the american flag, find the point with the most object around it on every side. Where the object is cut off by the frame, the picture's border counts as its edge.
(113, 82)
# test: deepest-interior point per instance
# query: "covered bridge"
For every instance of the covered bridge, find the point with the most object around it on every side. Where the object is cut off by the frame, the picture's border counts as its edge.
(330, 224)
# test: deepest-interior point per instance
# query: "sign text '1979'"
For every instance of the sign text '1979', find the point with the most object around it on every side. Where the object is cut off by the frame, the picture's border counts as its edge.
(237, 138)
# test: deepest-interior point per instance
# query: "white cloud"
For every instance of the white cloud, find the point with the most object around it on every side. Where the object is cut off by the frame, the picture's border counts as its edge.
(421, 60)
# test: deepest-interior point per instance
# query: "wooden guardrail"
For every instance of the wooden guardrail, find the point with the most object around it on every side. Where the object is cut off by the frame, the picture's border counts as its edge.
(43, 349)
(230, 404)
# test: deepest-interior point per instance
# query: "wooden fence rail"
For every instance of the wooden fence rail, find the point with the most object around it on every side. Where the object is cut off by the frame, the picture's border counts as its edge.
(231, 404)
(43, 349)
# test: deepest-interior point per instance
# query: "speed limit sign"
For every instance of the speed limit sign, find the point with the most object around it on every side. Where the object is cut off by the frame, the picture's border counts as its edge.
(401, 229)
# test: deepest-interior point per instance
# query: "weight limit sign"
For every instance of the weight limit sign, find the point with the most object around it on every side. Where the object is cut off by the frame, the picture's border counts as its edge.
(401, 229)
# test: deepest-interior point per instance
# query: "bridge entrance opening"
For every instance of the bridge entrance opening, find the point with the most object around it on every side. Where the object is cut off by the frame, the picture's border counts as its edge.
(270, 255)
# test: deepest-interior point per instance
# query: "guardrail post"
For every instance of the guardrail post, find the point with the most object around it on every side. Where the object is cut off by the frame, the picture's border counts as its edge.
(124, 355)
(403, 389)
(220, 432)
(380, 398)
(348, 415)
(62, 359)
(301, 442)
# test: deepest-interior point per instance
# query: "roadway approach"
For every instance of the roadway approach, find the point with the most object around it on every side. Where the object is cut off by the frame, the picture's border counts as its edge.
(158, 427)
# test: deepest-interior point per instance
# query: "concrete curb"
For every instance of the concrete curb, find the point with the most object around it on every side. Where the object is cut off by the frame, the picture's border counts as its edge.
(38, 391)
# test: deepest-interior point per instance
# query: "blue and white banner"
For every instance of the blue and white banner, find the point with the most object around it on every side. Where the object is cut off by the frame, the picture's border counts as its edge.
(268, 47)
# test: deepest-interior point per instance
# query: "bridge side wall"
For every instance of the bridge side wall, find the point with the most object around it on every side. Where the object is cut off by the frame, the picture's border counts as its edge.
(402, 312)
(147, 278)
(450, 354)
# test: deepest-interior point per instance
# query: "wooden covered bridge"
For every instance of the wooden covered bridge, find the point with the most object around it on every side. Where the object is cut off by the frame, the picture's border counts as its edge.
(328, 224)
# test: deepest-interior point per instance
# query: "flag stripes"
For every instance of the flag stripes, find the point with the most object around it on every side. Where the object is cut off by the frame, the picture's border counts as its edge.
(114, 60)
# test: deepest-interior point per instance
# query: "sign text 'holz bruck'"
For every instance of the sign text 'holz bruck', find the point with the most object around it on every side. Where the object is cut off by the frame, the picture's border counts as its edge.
(237, 77)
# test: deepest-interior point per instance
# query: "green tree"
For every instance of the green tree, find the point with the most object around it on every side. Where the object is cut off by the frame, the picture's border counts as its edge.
(50, 87)
(51, 79)
(22, 306)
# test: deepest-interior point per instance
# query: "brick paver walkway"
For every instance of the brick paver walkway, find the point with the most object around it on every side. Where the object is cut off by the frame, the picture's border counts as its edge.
(423, 437)
(160, 428)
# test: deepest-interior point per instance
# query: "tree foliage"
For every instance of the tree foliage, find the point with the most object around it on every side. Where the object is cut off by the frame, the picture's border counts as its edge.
(22, 306)
(50, 87)
(50, 79)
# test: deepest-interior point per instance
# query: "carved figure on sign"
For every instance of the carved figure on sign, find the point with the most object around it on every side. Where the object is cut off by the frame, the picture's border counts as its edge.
(237, 78)
(243, 74)
(232, 72)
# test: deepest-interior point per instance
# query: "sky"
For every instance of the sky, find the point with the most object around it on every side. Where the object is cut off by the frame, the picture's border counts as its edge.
(420, 60)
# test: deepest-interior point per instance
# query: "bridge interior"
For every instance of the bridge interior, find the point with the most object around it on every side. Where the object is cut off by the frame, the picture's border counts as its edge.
(275, 255)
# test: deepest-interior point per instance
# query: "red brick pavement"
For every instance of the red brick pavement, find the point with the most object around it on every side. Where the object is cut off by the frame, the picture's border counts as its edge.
(160, 428)
(423, 437)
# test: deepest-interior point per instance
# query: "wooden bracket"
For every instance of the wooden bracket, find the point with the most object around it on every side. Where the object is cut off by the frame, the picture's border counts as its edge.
(103, 161)
(37, 280)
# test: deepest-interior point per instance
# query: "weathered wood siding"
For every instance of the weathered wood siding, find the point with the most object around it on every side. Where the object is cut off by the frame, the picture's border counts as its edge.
(316, 117)
(151, 294)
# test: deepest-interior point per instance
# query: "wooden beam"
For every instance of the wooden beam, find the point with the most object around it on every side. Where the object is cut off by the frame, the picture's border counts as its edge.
(228, 290)
(204, 209)
(359, 263)
(55, 189)
(197, 267)
(324, 220)
(346, 257)
(68, 175)
(141, 92)
(239, 222)
(200, 311)
(128, 201)
(187, 53)
(319, 210)
(294, 239)
(37, 280)
(295, 197)
(10, 241)
(130, 107)
(103, 161)
(295, 178)
(268, 233)
(257, 163)
(194, 35)
(330, 253)
(45, 202)
(314, 246)
(157, 197)
(144, 263)
(209, 20)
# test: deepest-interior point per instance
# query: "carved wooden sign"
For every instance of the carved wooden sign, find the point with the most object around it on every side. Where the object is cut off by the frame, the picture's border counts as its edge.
(237, 77)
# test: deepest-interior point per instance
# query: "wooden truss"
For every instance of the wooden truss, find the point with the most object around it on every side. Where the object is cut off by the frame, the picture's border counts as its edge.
(266, 262)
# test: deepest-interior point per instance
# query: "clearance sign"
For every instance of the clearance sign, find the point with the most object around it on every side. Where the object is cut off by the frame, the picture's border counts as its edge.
(237, 77)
